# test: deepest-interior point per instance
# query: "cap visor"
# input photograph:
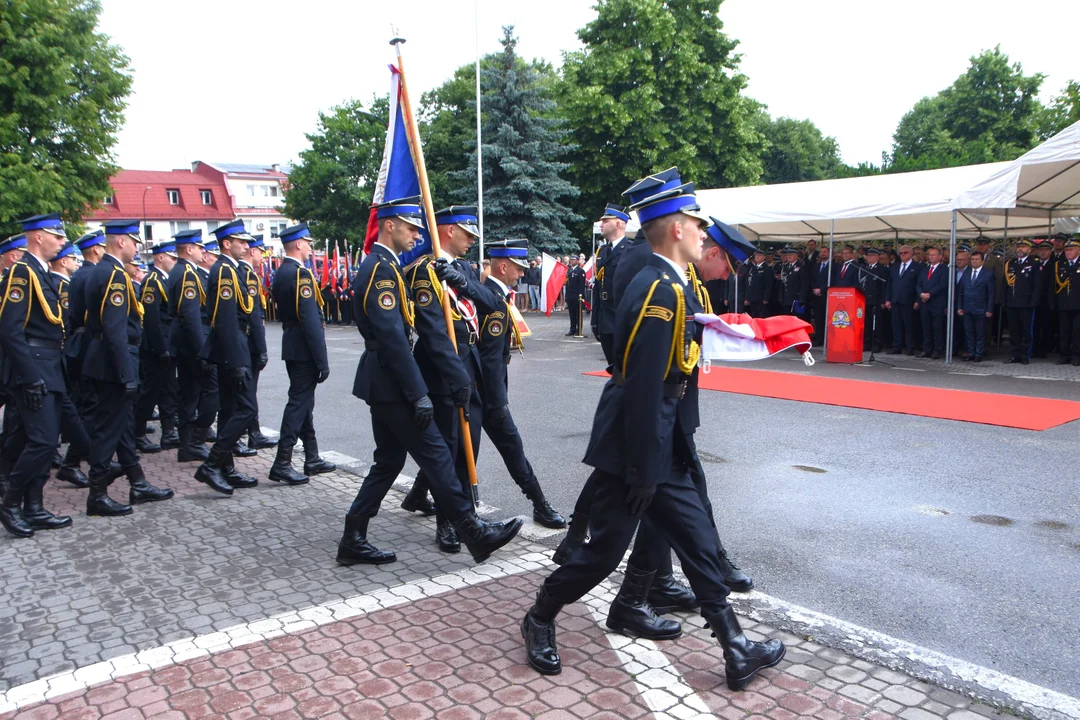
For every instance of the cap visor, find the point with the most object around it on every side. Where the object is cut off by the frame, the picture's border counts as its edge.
(471, 229)
(695, 212)
(58, 231)
(411, 220)
(521, 263)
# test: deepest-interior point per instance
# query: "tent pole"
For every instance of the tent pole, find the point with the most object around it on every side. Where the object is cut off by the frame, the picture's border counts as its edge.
(951, 319)
(828, 284)
(1000, 302)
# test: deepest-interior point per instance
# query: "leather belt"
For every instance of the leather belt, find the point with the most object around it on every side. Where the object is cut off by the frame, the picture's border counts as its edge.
(469, 339)
(78, 331)
(101, 336)
(671, 390)
(50, 344)
(603, 296)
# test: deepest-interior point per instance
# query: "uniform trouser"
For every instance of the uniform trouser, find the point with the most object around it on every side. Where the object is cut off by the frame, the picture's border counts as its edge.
(158, 389)
(933, 328)
(874, 328)
(297, 420)
(975, 333)
(607, 343)
(504, 435)
(189, 380)
(85, 399)
(903, 325)
(759, 309)
(677, 514)
(237, 411)
(576, 308)
(397, 436)
(1069, 333)
(448, 421)
(1021, 321)
(113, 428)
(255, 426)
(209, 403)
(31, 436)
(1045, 330)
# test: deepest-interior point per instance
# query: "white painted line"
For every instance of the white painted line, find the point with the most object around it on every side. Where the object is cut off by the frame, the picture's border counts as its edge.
(972, 374)
(906, 369)
(261, 630)
(270, 432)
(1032, 377)
(661, 686)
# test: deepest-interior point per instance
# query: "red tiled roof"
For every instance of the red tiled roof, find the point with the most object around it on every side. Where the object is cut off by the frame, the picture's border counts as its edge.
(130, 187)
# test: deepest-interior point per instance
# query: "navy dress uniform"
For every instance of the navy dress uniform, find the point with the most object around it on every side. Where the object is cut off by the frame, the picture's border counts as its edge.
(229, 347)
(575, 298)
(32, 370)
(156, 358)
(303, 348)
(641, 468)
(11, 250)
(1066, 281)
(759, 285)
(794, 285)
(874, 293)
(1024, 280)
(77, 339)
(186, 292)
(390, 382)
(210, 399)
(114, 323)
(497, 329)
(606, 266)
(259, 356)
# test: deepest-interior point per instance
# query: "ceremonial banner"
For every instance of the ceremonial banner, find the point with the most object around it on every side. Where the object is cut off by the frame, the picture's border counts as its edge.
(522, 327)
(552, 279)
(590, 268)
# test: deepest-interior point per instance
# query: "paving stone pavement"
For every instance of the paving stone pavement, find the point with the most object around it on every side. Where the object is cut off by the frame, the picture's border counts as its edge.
(207, 606)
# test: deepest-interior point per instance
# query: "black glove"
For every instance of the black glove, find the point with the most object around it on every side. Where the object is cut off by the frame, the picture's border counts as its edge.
(164, 359)
(34, 395)
(461, 397)
(263, 359)
(206, 367)
(450, 275)
(131, 390)
(423, 412)
(638, 498)
(498, 414)
(240, 378)
(323, 374)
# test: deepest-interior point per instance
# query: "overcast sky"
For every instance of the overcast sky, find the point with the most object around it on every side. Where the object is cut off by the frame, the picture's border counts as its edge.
(243, 80)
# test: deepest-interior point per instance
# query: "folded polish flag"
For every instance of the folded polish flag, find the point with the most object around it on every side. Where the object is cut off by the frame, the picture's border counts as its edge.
(738, 337)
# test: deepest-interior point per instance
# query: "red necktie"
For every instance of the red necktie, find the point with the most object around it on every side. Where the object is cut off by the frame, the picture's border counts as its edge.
(843, 270)
(929, 272)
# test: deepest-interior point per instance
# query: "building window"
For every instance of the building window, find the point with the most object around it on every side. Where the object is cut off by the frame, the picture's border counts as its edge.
(108, 200)
(174, 196)
(251, 190)
(265, 190)
(148, 232)
(179, 226)
(207, 197)
(212, 225)
(273, 191)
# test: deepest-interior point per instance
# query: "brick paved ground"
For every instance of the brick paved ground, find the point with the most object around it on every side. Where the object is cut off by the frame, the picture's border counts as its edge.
(206, 606)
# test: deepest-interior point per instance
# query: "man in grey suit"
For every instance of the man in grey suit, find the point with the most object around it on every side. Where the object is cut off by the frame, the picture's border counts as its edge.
(976, 305)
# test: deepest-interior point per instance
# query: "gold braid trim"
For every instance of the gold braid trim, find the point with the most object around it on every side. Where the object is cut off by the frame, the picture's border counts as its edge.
(245, 301)
(198, 283)
(1059, 285)
(132, 297)
(1010, 280)
(637, 324)
(408, 310)
(699, 288)
(437, 286)
(314, 289)
(35, 286)
(514, 326)
(688, 358)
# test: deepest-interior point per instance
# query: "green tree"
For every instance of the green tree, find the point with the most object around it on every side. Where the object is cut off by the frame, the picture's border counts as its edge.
(62, 95)
(657, 85)
(1063, 111)
(332, 185)
(796, 151)
(990, 113)
(523, 190)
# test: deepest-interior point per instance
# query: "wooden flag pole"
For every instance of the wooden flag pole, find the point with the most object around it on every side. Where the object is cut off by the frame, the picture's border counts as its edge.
(429, 211)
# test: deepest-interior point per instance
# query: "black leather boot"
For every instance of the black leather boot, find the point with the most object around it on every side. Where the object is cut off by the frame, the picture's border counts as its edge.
(543, 513)
(258, 441)
(575, 538)
(34, 510)
(416, 500)
(632, 615)
(212, 474)
(141, 490)
(734, 578)
(538, 631)
(209, 435)
(170, 439)
(445, 535)
(482, 537)
(234, 477)
(98, 501)
(57, 459)
(743, 658)
(354, 547)
(11, 513)
(313, 464)
(669, 595)
(241, 450)
(70, 472)
(282, 469)
(146, 447)
(191, 446)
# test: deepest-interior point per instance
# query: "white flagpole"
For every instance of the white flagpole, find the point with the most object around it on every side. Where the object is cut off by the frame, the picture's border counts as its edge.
(479, 142)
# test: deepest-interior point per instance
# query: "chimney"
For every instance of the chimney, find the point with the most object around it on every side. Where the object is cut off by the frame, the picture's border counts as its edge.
(194, 166)
(276, 168)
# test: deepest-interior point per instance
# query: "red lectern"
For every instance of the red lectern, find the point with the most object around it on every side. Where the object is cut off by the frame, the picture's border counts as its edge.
(845, 316)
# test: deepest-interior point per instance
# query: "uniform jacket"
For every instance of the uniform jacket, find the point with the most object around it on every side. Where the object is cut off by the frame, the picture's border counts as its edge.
(575, 282)
(759, 283)
(1046, 300)
(597, 288)
(1023, 282)
(187, 296)
(638, 419)
(606, 280)
(383, 309)
(229, 308)
(634, 256)
(62, 285)
(30, 310)
(735, 290)
(77, 342)
(297, 296)
(976, 297)
(1067, 285)
(445, 369)
(157, 321)
(874, 290)
(794, 284)
(936, 284)
(901, 289)
(204, 313)
(496, 331)
(253, 287)
(114, 321)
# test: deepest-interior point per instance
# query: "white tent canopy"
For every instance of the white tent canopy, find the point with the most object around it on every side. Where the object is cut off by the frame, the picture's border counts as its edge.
(915, 205)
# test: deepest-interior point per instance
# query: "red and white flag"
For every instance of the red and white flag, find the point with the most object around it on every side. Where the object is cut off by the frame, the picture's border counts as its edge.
(552, 279)
(590, 268)
(738, 337)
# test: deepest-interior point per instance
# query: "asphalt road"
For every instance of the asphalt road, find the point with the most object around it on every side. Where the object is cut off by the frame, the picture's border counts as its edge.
(960, 537)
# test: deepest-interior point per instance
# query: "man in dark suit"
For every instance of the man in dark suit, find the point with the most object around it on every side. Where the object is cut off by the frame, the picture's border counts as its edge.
(1024, 281)
(819, 292)
(975, 301)
(575, 295)
(1066, 272)
(1045, 336)
(759, 286)
(874, 292)
(901, 301)
(846, 276)
(932, 289)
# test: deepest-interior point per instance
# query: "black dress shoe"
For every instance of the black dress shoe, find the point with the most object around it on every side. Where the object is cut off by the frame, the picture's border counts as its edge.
(569, 334)
(141, 490)
(72, 474)
(211, 472)
(734, 577)
(977, 358)
(318, 466)
(1024, 361)
(445, 536)
(544, 514)
(416, 500)
(11, 516)
(354, 548)
(538, 632)
(98, 501)
(258, 441)
(146, 447)
(482, 537)
(170, 439)
(45, 520)
(242, 450)
(631, 614)
(927, 355)
(235, 478)
(282, 470)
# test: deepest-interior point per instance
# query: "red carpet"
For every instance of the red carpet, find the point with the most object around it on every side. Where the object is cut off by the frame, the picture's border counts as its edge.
(1025, 413)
